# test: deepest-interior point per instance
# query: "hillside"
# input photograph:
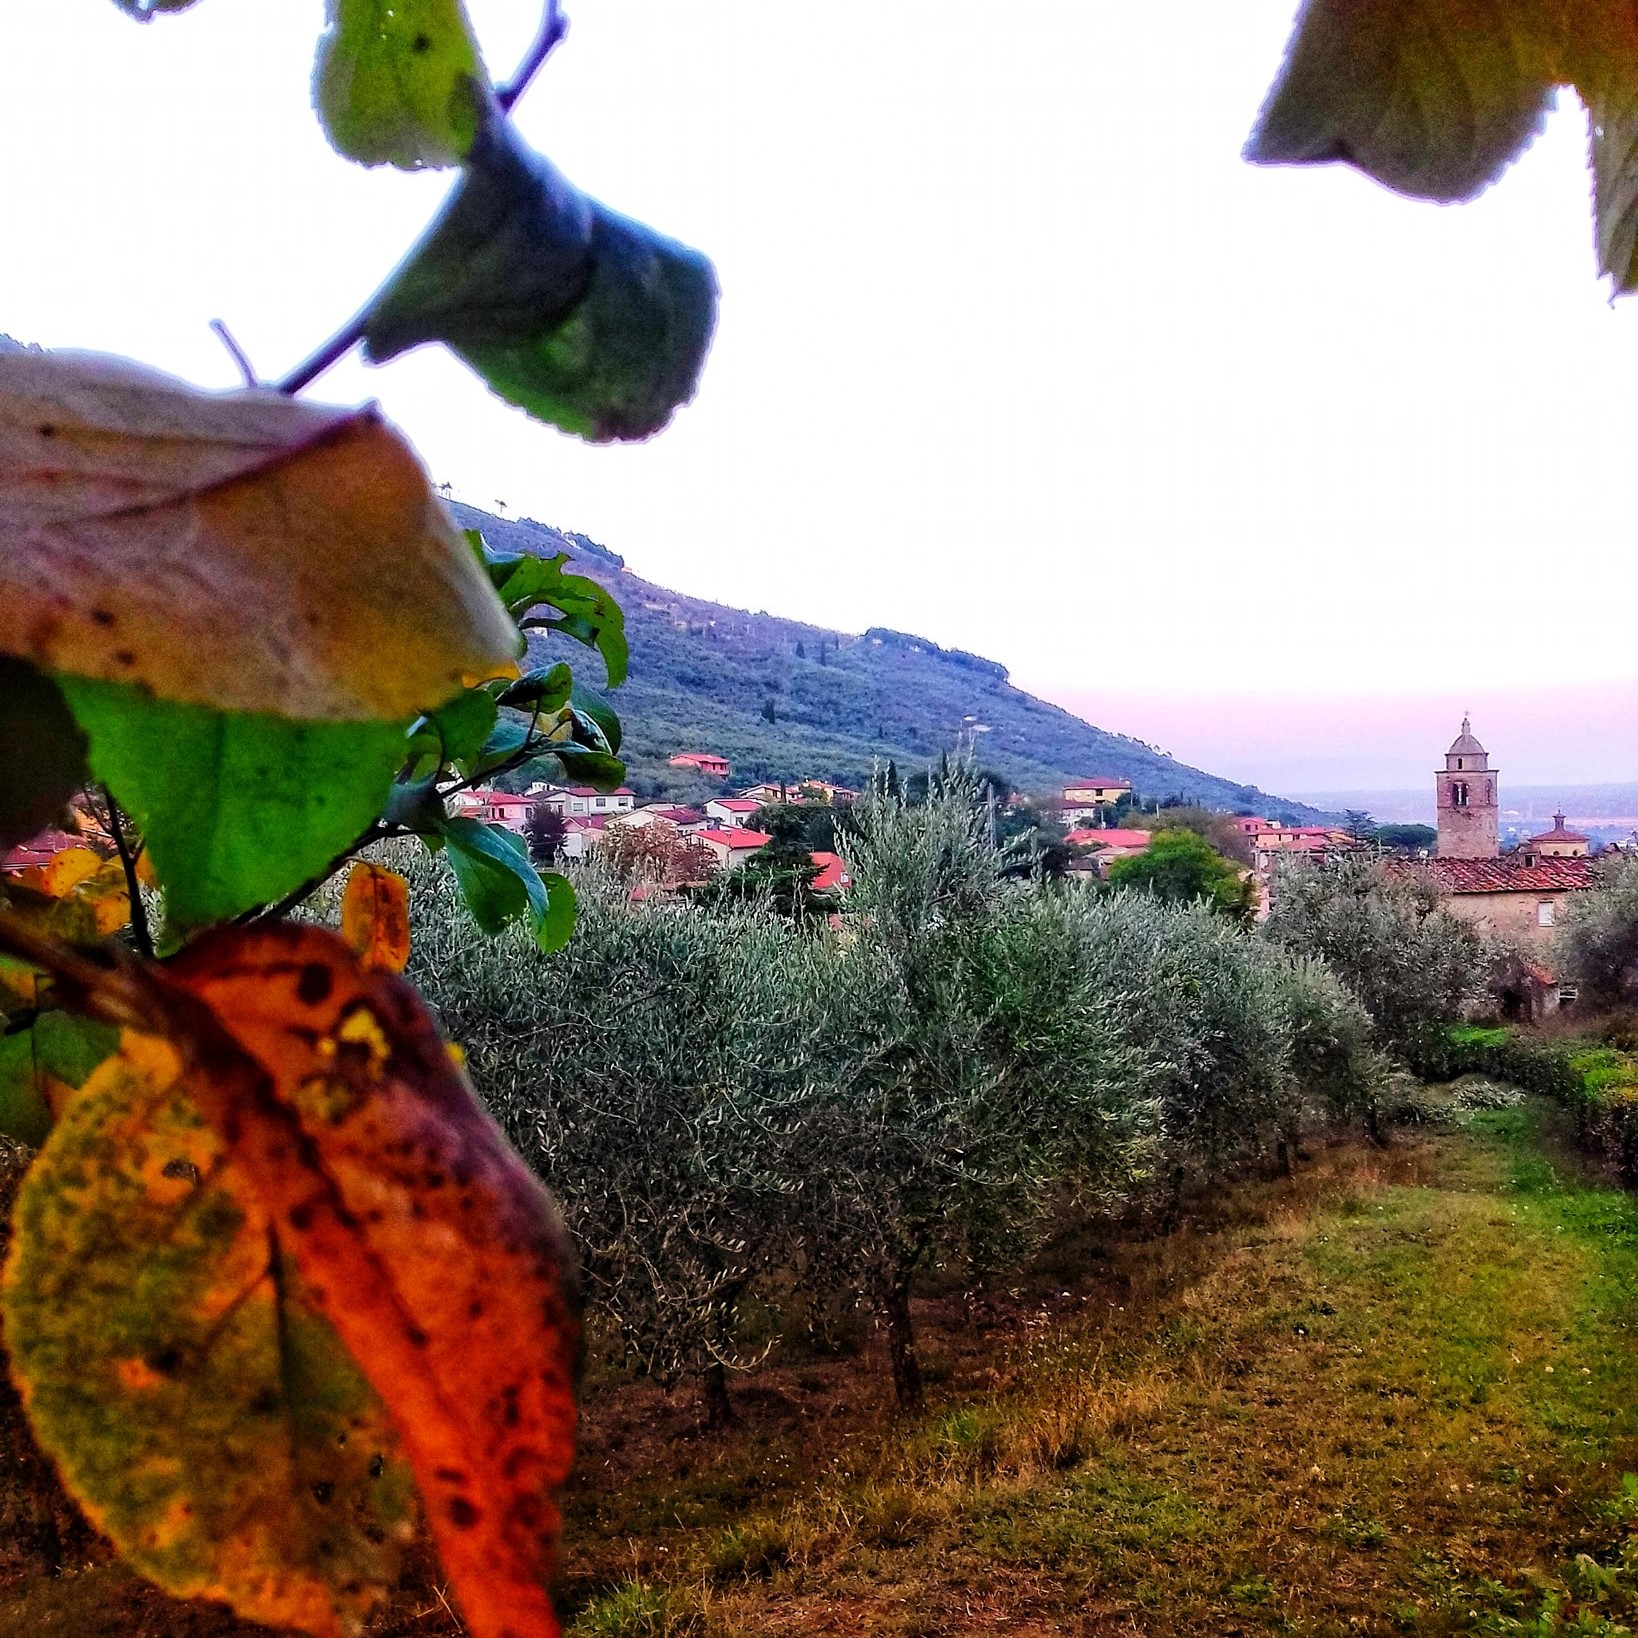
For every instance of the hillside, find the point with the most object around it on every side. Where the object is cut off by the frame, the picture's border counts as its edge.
(702, 675)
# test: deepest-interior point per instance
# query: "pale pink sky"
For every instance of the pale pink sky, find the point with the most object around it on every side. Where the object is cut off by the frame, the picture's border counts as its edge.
(1298, 740)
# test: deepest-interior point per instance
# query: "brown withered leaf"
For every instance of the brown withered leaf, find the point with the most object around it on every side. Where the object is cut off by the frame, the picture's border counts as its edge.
(243, 550)
(417, 1231)
(375, 916)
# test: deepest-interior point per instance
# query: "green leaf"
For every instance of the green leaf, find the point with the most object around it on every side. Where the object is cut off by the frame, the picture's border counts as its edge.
(60, 1046)
(590, 613)
(204, 1414)
(1607, 78)
(41, 750)
(584, 319)
(25, 1116)
(594, 768)
(400, 82)
(1431, 97)
(499, 884)
(502, 745)
(545, 689)
(465, 723)
(593, 713)
(238, 808)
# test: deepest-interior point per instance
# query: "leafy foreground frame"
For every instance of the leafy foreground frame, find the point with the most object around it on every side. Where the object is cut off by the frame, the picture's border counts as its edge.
(275, 1279)
(277, 1283)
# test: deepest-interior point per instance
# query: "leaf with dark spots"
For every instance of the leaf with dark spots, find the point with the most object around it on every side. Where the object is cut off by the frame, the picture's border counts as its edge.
(207, 1418)
(336, 1110)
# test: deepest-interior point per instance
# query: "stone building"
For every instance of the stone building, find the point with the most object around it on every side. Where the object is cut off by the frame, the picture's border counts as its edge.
(1465, 792)
(1519, 895)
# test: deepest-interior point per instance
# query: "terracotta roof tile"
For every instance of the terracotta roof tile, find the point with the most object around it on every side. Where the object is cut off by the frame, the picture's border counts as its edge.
(1510, 875)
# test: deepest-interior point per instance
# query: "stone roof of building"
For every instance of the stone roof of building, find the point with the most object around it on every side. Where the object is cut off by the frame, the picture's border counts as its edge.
(1465, 744)
(1510, 874)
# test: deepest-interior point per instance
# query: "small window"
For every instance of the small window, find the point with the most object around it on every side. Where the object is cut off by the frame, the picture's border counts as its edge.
(1458, 793)
(1458, 762)
(1544, 913)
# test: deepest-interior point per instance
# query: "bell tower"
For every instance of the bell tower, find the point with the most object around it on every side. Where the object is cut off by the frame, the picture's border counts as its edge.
(1466, 795)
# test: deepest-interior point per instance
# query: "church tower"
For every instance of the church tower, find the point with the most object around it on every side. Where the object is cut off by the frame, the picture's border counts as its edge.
(1466, 791)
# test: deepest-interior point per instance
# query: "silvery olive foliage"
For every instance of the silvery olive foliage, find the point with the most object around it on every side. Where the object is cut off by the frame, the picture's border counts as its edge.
(1598, 944)
(1387, 936)
(732, 1105)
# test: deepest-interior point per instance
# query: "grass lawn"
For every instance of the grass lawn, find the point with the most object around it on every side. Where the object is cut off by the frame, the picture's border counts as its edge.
(1395, 1394)
(1398, 1394)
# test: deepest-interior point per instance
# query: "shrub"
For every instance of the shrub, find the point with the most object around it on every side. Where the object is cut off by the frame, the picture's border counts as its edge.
(1598, 943)
(1386, 935)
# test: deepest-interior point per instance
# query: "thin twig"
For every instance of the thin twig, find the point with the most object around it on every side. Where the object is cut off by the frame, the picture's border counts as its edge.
(553, 27)
(375, 832)
(236, 353)
(102, 981)
(133, 887)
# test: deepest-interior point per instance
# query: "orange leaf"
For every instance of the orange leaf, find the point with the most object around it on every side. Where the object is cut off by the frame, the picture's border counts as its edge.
(62, 872)
(375, 916)
(246, 551)
(418, 1233)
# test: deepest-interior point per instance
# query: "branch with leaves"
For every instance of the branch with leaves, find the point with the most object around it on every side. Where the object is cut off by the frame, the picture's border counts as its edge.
(251, 623)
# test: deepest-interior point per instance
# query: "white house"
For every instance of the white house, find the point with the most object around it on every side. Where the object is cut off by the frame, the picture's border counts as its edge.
(732, 847)
(577, 801)
(581, 834)
(731, 811)
(687, 821)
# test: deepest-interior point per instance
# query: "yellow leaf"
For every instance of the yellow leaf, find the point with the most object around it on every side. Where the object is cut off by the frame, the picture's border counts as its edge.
(62, 872)
(205, 1415)
(375, 917)
(244, 550)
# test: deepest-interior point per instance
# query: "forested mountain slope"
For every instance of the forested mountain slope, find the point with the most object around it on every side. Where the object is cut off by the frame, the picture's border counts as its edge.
(705, 677)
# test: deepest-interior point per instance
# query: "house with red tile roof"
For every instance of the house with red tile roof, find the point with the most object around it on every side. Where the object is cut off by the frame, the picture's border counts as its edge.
(833, 874)
(572, 800)
(690, 821)
(1520, 895)
(731, 810)
(1100, 848)
(732, 847)
(714, 767)
(495, 808)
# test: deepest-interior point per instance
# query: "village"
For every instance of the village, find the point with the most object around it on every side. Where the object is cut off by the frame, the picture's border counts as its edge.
(1517, 893)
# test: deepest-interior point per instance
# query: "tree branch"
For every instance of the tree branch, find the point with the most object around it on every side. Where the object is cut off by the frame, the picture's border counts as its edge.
(133, 888)
(553, 27)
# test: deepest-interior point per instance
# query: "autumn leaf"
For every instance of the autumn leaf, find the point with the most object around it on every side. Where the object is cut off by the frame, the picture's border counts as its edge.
(75, 895)
(62, 872)
(207, 1418)
(417, 1231)
(398, 81)
(244, 551)
(375, 916)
